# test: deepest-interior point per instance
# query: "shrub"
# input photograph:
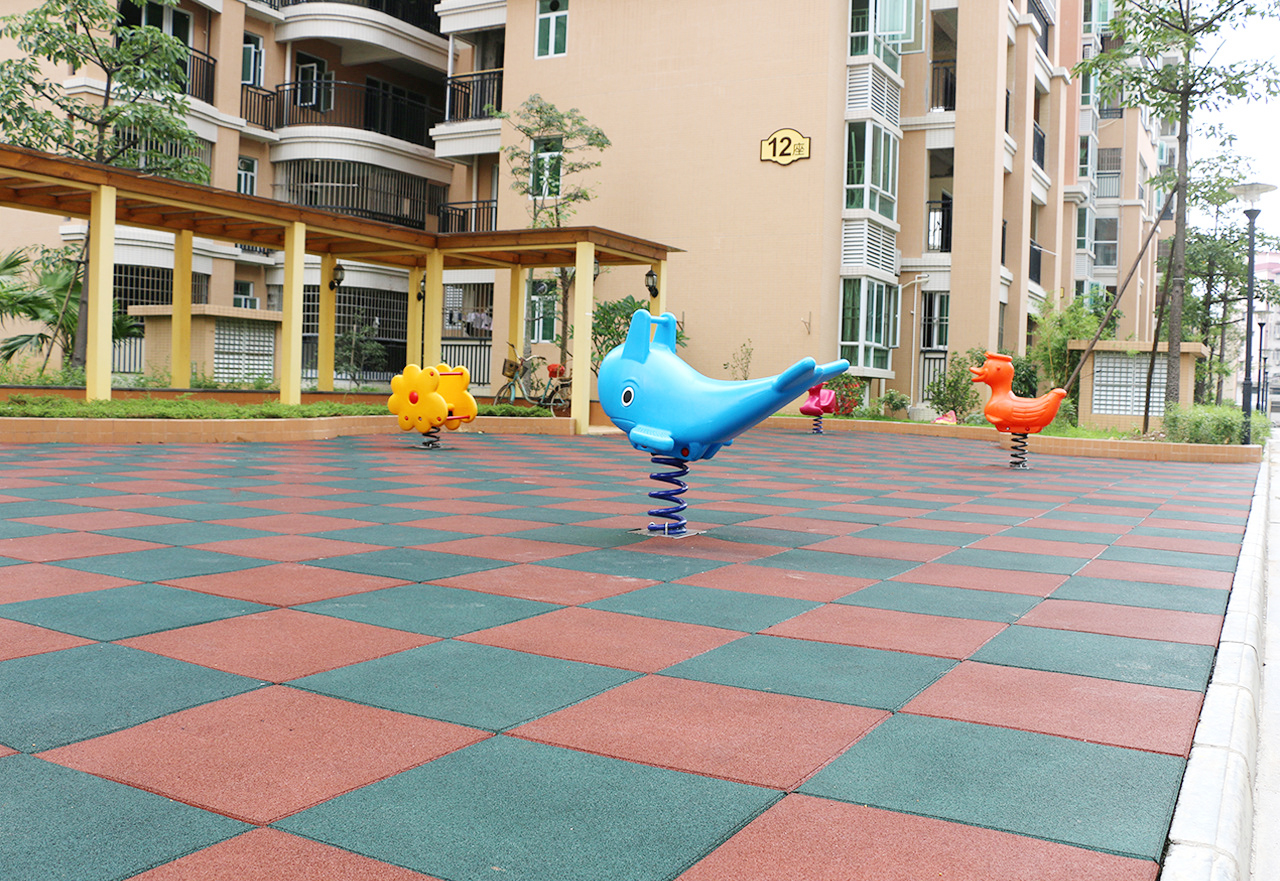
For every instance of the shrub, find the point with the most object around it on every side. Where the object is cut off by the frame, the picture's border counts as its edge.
(849, 390)
(1213, 424)
(894, 400)
(953, 389)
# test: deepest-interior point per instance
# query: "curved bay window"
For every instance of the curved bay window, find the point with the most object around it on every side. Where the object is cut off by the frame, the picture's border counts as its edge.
(871, 169)
(868, 322)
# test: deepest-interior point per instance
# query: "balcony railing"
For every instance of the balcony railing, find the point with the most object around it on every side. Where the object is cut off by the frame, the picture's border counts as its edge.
(200, 67)
(1033, 263)
(943, 89)
(419, 13)
(1037, 144)
(939, 226)
(469, 216)
(1008, 111)
(257, 105)
(354, 105)
(1110, 112)
(1004, 242)
(472, 94)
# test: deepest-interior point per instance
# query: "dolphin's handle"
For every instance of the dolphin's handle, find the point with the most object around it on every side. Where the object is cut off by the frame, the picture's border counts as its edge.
(664, 332)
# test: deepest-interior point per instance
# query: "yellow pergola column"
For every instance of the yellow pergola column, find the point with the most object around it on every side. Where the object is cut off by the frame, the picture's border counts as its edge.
(413, 334)
(433, 307)
(515, 310)
(295, 244)
(583, 297)
(180, 337)
(327, 331)
(658, 304)
(102, 242)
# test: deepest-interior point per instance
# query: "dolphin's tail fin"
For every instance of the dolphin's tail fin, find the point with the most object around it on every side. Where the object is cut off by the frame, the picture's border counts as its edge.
(805, 373)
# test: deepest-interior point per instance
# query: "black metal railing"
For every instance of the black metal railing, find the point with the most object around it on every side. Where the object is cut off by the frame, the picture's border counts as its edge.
(1033, 263)
(1037, 144)
(354, 105)
(258, 105)
(270, 4)
(1004, 242)
(471, 95)
(200, 67)
(939, 225)
(1008, 111)
(469, 216)
(419, 13)
(1110, 112)
(473, 356)
(1042, 18)
(942, 90)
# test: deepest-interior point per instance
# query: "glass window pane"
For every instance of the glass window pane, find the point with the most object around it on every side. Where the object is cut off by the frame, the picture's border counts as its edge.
(562, 26)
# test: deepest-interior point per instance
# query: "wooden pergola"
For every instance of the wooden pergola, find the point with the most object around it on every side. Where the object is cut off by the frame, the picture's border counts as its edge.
(107, 197)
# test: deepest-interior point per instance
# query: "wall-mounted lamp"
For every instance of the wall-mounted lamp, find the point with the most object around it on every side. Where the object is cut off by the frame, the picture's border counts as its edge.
(651, 282)
(595, 270)
(422, 289)
(339, 275)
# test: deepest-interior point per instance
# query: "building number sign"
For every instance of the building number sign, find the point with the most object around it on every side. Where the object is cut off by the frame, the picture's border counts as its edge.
(784, 146)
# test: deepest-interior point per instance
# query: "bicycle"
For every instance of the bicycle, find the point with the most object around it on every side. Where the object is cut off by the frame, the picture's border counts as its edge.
(521, 372)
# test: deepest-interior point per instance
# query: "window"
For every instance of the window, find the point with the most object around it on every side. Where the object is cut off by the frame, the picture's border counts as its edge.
(553, 27)
(871, 169)
(242, 296)
(1084, 228)
(868, 322)
(541, 310)
(251, 60)
(1106, 240)
(878, 26)
(1088, 159)
(247, 176)
(935, 307)
(173, 22)
(544, 165)
(315, 83)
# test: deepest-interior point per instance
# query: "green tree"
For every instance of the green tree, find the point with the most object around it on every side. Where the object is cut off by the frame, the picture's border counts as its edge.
(137, 120)
(953, 389)
(1055, 328)
(546, 163)
(1158, 59)
(609, 325)
(356, 349)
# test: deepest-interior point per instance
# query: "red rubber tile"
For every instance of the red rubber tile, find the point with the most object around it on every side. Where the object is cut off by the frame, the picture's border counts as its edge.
(99, 520)
(814, 839)
(744, 507)
(293, 523)
(279, 645)
(419, 490)
(23, 483)
(606, 638)
(69, 546)
(296, 489)
(164, 474)
(263, 755)
(1049, 522)
(288, 548)
(1036, 584)
(595, 507)
(1106, 509)
(504, 547)
(295, 506)
(5, 751)
(818, 496)
(18, 640)
(1039, 546)
(1140, 623)
(737, 734)
(136, 485)
(286, 584)
(131, 501)
(1106, 711)
(706, 547)
(930, 497)
(881, 510)
(1155, 520)
(461, 506)
(266, 854)
(35, 581)
(816, 587)
(1151, 572)
(546, 584)
(476, 524)
(1160, 543)
(805, 524)
(1009, 510)
(948, 526)
(876, 547)
(889, 630)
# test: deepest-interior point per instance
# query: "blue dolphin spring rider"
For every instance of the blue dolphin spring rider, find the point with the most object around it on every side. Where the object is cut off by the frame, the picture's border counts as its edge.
(677, 415)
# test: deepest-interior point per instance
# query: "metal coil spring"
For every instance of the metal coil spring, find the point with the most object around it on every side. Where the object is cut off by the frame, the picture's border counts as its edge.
(817, 424)
(1019, 456)
(677, 526)
(431, 439)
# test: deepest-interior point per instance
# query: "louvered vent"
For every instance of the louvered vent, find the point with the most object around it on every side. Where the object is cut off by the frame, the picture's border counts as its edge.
(865, 243)
(870, 89)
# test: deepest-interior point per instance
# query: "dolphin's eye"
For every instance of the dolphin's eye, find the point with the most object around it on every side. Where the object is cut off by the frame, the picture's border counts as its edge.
(628, 395)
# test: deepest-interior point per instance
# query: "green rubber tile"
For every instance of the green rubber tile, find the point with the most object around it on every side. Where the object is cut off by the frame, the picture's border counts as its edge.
(966, 517)
(1142, 661)
(700, 514)
(428, 609)
(728, 609)
(781, 501)
(121, 612)
(921, 536)
(1011, 561)
(213, 511)
(15, 510)
(836, 564)
(587, 536)
(1084, 517)
(635, 564)
(56, 698)
(895, 502)
(825, 671)
(58, 491)
(387, 513)
(850, 516)
(1183, 559)
(1175, 597)
(219, 497)
(1038, 533)
(186, 533)
(522, 811)
(365, 498)
(1229, 538)
(468, 684)
(408, 564)
(393, 535)
(162, 564)
(546, 515)
(11, 529)
(781, 537)
(59, 823)
(1100, 797)
(949, 602)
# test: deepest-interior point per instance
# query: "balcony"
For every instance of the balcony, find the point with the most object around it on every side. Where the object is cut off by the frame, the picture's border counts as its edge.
(414, 12)
(200, 68)
(357, 106)
(938, 226)
(469, 216)
(360, 189)
(1037, 144)
(1033, 263)
(471, 95)
(257, 105)
(942, 90)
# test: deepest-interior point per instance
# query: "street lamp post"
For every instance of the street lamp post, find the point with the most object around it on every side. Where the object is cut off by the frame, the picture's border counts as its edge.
(1250, 193)
(1262, 367)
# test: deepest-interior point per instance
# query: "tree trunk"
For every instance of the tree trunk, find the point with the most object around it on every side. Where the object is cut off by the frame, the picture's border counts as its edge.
(1178, 257)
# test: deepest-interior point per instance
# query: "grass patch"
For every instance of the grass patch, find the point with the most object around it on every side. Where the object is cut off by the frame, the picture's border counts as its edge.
(185, 407)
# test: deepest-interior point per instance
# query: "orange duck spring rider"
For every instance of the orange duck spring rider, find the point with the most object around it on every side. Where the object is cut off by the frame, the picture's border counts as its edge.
(1010, 413)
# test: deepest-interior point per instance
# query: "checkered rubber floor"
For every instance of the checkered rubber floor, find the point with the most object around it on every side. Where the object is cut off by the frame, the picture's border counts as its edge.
(885, 657)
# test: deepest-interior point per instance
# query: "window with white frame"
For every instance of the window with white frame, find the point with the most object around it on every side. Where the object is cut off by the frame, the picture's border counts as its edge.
(544, 167)
(1084, 228)
(542, 310)
(868, 322)
(1106, 241)
(242, 295)
(247, 176)
(251, 59)
(552, 28)
(871, 169)
(314, 83)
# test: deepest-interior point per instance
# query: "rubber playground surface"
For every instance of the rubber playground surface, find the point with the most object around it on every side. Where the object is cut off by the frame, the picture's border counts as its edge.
(885, 657)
